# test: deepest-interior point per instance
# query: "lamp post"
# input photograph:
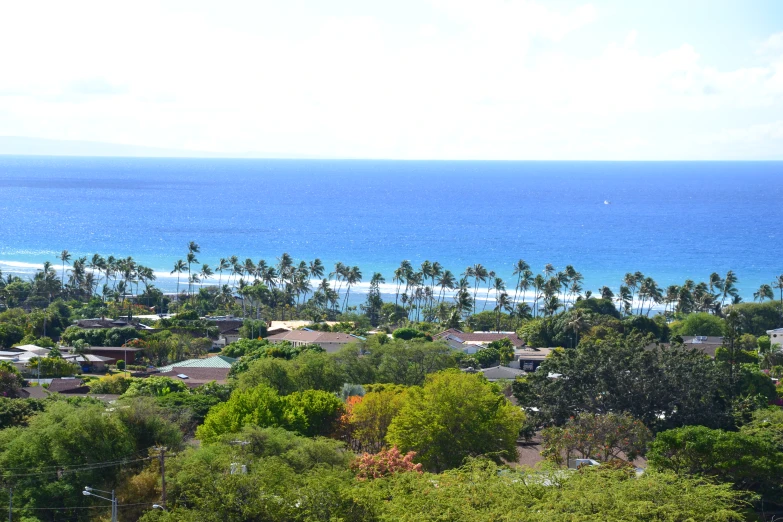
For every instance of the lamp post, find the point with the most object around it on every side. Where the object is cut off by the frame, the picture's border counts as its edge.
(88, 492)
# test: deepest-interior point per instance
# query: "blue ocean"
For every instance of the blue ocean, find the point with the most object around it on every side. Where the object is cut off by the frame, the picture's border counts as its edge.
(670, 220)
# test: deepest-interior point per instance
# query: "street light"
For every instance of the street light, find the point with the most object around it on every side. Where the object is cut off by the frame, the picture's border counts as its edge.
(88, 492)
(158, 506)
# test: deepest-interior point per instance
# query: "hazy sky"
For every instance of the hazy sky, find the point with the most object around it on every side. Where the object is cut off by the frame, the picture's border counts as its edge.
(441, 79)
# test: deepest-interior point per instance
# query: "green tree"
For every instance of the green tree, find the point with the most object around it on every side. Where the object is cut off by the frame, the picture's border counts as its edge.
(664, 387)
(155, 387)
(700, 323)
(371, 417)
(49, 462)
(749, 462)
(600, 437)
(455, 415)
(482, 491)
(309, 413)
(406, 334)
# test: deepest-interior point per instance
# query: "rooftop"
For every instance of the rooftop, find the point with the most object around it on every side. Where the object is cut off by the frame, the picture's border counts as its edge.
(217, 361)
(497, 373)
(195, 376)
(480, 337)
(312, 336)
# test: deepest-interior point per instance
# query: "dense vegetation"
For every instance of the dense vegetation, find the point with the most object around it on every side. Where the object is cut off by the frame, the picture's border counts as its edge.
(389, 428)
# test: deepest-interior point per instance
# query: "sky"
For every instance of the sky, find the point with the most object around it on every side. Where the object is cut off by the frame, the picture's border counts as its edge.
(424, 79)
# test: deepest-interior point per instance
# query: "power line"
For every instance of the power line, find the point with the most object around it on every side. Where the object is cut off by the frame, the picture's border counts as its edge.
(76, 465)
(62, 470)
(82, 507)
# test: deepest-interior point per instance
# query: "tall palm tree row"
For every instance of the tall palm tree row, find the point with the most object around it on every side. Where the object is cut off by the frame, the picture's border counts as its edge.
(426, 292)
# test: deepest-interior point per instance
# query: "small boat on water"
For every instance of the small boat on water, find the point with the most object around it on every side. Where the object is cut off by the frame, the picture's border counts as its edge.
(607, 202)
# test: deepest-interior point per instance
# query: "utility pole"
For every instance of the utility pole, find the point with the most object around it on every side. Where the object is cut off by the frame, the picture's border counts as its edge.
(162, 457)
(10, 504)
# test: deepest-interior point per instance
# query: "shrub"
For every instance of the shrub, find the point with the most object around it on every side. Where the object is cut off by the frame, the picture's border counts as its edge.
(406, 334)
(384, 463)
(155, 387)
(112, 384)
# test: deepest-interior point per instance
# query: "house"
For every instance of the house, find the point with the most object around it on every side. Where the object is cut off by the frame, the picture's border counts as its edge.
(195, 376)
(30, 348)
(92, 363)
(68, 385)
(20, 356)
(776, 337)
(216, 361)
(706, 343)
(470, 343)
(498, 373)
(228, 331)
(103, 323)
(529, 359)
(329, 341)
(116, 353)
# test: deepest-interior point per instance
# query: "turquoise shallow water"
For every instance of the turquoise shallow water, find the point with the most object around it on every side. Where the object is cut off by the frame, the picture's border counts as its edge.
(670, 220)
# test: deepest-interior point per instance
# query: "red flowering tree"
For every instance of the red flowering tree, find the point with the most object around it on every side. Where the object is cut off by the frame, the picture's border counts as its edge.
(384, 463)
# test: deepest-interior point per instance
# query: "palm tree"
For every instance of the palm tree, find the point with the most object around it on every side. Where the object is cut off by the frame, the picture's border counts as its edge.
(97, 264)
(435, 273)
(538, 286)
(502, 303)
(206, 272)
(65, 257)
(285, 265)
(520, 267)
(490, 281)
(316, 269)
(111, 270)
(578, 322)
(337, 275)
(179, 267)
(223, 264)
(715, 282)
(625, 299)
(606, 292)
(400, 276)
(480, 274)
(446, 281)
(191, 258)
(670, 297)
(729, 288)
(522, 311)
(631, 282)
(352, 277)
(249, 267)
(778, 283)
(764, 292)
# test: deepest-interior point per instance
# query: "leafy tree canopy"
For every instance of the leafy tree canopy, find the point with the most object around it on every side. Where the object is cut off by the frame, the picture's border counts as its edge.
(455, 415)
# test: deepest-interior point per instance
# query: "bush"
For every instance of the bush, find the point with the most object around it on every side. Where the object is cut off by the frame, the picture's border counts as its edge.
(311, 412)
(112, 384)
(700, 323)
(384, 463)
(406, 334)
(154, 387)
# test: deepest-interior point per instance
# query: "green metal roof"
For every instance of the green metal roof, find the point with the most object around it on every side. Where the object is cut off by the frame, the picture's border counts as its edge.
(218, 361)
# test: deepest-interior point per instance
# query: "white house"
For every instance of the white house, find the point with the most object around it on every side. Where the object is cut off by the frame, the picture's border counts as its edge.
(776, 337)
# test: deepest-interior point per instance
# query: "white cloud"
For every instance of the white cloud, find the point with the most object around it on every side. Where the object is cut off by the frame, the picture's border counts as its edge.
(491, 79)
